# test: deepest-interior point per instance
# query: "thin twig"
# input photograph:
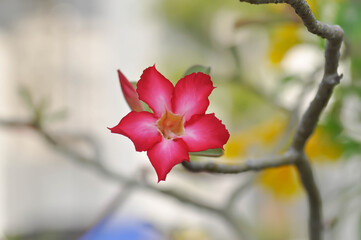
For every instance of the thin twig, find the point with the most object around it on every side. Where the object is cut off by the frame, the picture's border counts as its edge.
(294, 114)
(117, 201)
(241, 188)
(98, 166)
(248, 86)
(15, 123)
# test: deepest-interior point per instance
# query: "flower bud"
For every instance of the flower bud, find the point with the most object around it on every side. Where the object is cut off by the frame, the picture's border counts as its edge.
(129, 93)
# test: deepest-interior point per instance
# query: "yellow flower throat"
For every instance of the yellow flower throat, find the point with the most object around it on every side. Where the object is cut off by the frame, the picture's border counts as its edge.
(171, 125)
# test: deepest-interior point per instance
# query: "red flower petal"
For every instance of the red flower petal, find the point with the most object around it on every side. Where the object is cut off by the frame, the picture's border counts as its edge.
(166, 154)
(141, 128)
(191, 95)
(155, 90)
(204, 132)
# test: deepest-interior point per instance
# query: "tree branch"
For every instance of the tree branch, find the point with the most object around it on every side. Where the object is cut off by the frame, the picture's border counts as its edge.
(303, 10)
(112, 175)
(313, 197)
(334, 35)
(310, 118)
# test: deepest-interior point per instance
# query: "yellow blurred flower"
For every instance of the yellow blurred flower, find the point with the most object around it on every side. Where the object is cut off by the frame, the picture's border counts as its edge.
(189, 234)
(283, 39)
(314, 6)
(286, 36)
(320, 147)
(282, 181)
(250, 141)
(282, 8)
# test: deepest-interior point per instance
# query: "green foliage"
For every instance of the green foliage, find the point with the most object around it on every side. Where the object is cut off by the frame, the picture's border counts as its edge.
(26, 97)
(40, 110)
(243, 99)
(332, 125)
(217, 152)
(289, 78)
(134, 84)
(194, 17)
(197, 68)
(349, 18)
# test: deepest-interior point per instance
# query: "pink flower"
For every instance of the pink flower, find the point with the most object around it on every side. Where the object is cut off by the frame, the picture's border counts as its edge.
(178, 124)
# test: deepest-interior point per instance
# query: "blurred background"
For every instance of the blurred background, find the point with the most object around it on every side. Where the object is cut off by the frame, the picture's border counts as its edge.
(58, 62)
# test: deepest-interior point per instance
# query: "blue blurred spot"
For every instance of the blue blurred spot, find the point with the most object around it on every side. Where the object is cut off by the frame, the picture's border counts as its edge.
(123, 230)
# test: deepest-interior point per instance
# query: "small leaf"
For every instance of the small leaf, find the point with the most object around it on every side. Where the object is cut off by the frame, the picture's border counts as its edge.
(145, 106)
(134, 83)
(197, 68)
(26, 97)
(44, 104)
(290, 78)
(217, 152)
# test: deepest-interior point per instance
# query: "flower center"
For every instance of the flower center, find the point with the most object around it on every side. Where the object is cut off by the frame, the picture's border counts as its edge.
(171, 125)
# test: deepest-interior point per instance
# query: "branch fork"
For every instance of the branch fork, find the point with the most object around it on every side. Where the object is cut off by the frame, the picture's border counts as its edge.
(295, 155)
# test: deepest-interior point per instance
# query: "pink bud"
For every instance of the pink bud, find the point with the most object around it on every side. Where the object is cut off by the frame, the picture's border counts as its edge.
(129, 93)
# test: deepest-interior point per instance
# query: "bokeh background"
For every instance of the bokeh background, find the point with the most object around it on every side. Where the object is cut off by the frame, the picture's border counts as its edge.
(58, 62)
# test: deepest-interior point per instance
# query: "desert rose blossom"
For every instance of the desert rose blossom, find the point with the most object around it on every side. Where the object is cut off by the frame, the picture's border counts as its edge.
(178, 124)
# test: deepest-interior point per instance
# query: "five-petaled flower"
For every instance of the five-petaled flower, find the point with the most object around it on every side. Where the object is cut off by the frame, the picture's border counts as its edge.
(178, 124)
